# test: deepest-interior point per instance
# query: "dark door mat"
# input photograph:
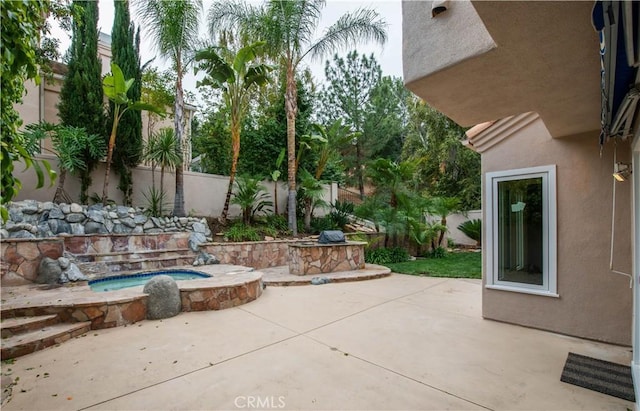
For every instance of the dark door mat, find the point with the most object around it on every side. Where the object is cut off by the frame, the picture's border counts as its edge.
(598, 375)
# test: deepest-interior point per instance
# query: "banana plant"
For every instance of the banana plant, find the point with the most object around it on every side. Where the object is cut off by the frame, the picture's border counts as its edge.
(115, 87)
(236, 75)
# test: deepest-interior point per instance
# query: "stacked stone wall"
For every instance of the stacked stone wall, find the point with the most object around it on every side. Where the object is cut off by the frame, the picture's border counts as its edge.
(33, 219)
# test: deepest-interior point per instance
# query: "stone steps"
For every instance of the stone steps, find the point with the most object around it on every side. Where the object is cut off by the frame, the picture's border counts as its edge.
(136, 255)
(101, 268)
(29, 341)
(12, 326)
(123, 254)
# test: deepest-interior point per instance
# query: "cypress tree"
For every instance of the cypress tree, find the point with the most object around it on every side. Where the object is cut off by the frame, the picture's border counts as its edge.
(125, 46)
(81, 97)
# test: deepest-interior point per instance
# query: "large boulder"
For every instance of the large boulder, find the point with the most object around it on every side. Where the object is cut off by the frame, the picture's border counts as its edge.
(195, 239)
(71, 273)
(204, 258)
(49, 271)
(164, 297)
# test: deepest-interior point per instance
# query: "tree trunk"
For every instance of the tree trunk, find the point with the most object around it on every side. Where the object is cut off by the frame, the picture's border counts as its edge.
(307, 215)
(105, 186)
(112, 143)
(59, 196)
(359, 171)
(443, 231)
(161, 190)
(275, 196)
(153, 174)
(291, 109)
(235, 149)
(178, 203)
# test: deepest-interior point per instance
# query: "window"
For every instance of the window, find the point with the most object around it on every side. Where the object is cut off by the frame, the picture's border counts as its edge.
(521, 230)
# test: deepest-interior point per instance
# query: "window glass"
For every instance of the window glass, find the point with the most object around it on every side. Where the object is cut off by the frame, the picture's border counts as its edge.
(520, 229)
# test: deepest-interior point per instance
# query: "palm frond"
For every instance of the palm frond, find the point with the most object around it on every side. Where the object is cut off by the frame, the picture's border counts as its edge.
(233, 16)
(363, 25)
(293, 23)
(173, 25)
(163, 149)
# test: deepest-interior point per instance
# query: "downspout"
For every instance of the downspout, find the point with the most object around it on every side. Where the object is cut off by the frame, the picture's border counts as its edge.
(635, 218)
(41, 106)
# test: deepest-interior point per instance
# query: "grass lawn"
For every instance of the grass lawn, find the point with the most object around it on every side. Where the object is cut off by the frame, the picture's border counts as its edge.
(455, 265)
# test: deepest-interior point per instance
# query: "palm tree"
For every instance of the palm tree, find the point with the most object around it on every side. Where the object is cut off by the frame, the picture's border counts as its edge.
(173, 25)
(163, 150)
(442, 207)
(251, 195)
(237, 78)
(69, 145)
(312, 196)
(288, 27)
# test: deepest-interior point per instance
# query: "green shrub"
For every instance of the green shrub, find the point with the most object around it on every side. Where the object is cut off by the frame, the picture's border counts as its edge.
(472, 229)
(319, 224)
(267, 230)
(251, 195)
(242, 232)
(438, 252)
(399, 255)
(272, 225)
(339, 216)
(386, 255)
(278, 222)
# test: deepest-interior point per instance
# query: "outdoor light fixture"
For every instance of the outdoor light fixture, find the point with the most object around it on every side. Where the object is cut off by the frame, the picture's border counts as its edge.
(438, 7)
(621, 171)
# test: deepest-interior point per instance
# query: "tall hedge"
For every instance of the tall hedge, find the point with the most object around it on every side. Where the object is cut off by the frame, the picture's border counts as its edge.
(81, 98)
(125, 45)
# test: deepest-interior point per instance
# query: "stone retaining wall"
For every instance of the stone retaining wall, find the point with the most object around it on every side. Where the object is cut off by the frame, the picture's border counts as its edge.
(256, 254)
(19, 258)
(99, 244)
(33, 219)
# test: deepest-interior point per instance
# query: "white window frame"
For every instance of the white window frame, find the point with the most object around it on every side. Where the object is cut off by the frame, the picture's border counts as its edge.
(549, 230)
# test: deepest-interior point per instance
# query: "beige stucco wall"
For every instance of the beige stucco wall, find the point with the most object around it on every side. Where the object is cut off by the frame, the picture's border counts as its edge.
(594, 303)
(486, 60)
(454, 220)
(204, 193)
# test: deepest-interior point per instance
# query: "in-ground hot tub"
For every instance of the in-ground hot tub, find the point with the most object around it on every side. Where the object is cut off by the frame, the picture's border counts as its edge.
(119, 282)
(310, 257)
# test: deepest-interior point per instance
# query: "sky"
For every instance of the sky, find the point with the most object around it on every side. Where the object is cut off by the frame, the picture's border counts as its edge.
(389, 56)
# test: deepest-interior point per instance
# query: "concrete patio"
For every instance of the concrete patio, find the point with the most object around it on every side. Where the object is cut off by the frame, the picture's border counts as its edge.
(393, 343)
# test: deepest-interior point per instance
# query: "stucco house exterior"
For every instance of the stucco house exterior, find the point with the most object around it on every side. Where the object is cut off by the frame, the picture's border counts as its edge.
(40, 103)
(561, 235)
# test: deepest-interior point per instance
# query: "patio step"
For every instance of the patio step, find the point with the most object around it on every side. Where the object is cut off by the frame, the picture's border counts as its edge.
(32, 341)
(12, 326)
